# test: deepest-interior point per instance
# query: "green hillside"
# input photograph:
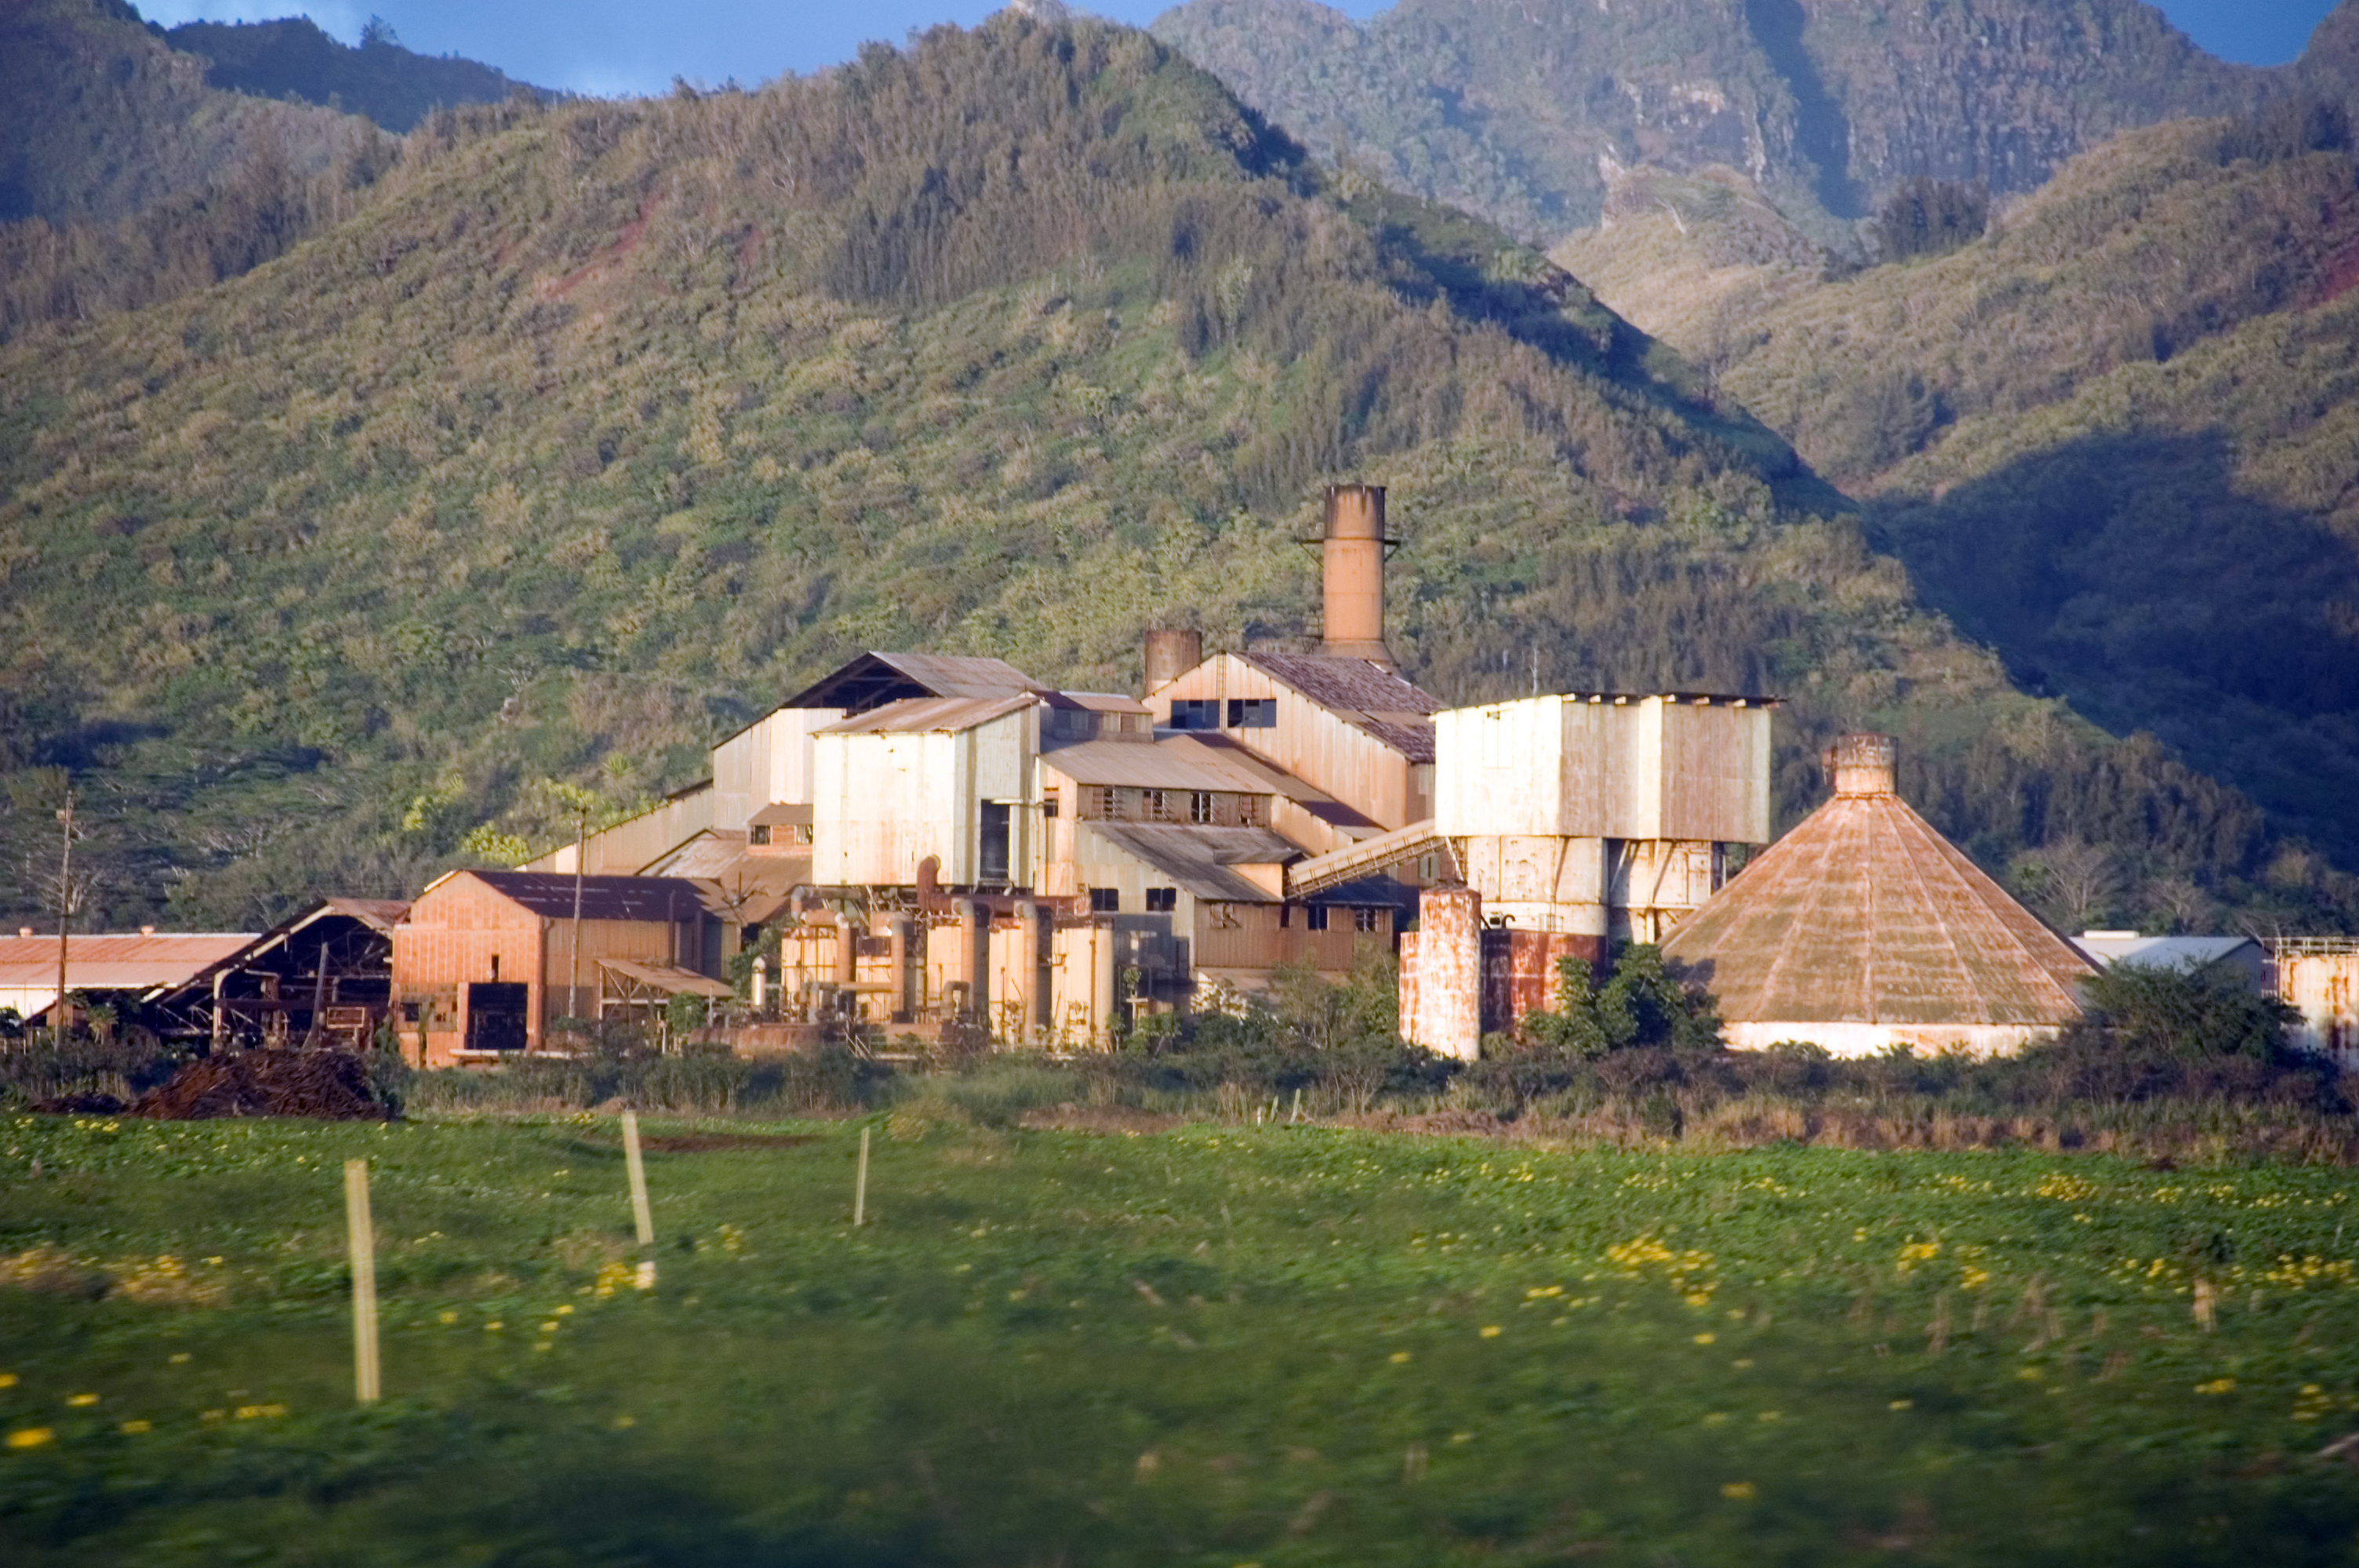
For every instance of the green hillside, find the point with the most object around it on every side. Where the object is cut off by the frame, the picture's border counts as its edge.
(2115, 437)
(603, 425)
(1526, 113)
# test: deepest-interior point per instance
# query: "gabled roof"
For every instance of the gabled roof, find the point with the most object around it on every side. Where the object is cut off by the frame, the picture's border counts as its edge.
(1363, 694)
(928, 715)
(1865, 915)
(551, 893)
(873, 679)
(1197, 858)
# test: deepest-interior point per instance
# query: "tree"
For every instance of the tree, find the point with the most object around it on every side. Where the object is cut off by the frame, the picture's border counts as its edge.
(2148, 1012)
(1929, 217)
(1647, 1002)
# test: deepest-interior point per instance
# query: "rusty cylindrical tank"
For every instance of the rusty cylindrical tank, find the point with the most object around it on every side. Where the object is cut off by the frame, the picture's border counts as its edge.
(1352, 572)
(1863, 764)
(1171, 651)
(1449, 983)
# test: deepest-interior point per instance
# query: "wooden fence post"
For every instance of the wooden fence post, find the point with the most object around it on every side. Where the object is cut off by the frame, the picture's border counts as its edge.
(860, 1185)
(365, 1382)
(641, 1215)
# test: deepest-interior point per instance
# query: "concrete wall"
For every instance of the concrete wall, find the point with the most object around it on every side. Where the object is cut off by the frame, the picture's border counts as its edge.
(1574, 767)
(884, 803)
(1441, 974)
(1861, 1039)
(2325, 987)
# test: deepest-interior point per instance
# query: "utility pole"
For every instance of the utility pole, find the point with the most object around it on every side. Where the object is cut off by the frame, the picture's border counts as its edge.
(60, 1019)
(573, 956)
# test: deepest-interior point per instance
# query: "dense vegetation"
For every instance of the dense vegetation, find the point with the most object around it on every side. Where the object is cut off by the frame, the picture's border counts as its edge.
(1524, 113)
(292, 57)
(600, 425)
(2112, 435)
(1227, 1344)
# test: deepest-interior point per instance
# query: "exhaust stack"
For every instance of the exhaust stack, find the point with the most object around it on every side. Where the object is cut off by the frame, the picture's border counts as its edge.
(1170, 654)
(1353, 551)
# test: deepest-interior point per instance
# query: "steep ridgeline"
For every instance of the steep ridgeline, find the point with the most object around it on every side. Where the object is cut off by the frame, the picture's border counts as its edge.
(2115, 437)
(393, 86)
(100, 118)
(125, 179)
(603, 425)
(1525, 114)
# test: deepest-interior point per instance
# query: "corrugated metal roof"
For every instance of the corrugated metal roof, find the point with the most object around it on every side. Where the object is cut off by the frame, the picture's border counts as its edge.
(1168, 762)
(780, 814)
(1103, 701)
(1865, 915)
(551, 893)
(2166, 952)
(873, 679)
(664, 977)
(381, 914)
(1278, 781)
(114, 961)
(1363, 694)
(926, 715)
(1197, 858)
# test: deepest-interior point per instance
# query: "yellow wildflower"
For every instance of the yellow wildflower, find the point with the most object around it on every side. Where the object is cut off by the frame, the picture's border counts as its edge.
(1490, 1330)
(29, 1436)
(1737, 1491)
(78, 1401)
(134, 1428)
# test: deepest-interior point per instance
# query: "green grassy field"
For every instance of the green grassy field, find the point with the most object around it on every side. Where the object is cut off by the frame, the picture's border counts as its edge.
(1216, 1346)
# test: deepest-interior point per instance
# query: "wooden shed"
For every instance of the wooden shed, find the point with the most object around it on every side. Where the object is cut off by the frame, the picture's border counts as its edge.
(485, 959)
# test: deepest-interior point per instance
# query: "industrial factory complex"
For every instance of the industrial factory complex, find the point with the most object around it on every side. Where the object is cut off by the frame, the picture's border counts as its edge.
(919, 843)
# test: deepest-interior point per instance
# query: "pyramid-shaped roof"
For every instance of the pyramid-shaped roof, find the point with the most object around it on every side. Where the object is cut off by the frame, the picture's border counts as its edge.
(1865, 915)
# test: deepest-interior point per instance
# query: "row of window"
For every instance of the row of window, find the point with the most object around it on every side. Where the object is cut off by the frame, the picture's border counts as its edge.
(1315, 916)
(1243, 713)
(1205, 808)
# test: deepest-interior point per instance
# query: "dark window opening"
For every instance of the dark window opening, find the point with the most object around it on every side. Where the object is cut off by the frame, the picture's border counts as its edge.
(1253, 713)
(758, 834)
(1105, 901)
(992, 851)
(1196, 713)
(1048, 804)
(1200, 807)
(1364, 919)
(495, 1017)
(496, 964)
(1162, 900)
(1314, 917)
(1156, 808)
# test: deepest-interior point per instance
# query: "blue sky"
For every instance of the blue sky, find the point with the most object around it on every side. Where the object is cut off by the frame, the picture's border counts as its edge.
(612, 45)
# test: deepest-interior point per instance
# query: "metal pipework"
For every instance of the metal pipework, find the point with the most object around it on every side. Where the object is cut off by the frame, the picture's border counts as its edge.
(1351, 556)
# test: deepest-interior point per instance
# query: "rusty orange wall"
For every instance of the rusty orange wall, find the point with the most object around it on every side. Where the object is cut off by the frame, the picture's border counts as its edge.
(1256, 941)
(1519, 972)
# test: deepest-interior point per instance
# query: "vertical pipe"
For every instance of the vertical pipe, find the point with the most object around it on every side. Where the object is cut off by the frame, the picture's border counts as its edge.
(61, 1016)
(1040, 931)
(362, 1240)
(573, 958)
(860, 1185)
(976, 916)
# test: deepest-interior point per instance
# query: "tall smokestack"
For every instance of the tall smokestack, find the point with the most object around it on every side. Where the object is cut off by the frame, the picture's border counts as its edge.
(1353, 548)
(1170, 654)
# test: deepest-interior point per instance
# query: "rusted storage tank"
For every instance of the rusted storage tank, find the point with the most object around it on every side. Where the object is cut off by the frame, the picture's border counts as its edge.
(2319, 977)
(1441, 1008)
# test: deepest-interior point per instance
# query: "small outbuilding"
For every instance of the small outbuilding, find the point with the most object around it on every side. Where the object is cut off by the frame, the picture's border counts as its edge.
(1864, 929)
(2247, 958)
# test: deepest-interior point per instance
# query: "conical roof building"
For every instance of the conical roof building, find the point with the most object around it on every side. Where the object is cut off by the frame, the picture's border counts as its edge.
(1864, 929)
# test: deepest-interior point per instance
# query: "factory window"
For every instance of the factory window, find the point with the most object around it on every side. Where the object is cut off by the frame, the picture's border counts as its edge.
(1196, 713)
(1200, 807)
(1364, 919)
(1424, 868)
(1098, 802)
(758, 834)
(1162, 900)
(1105, 901)
(1248, 811)
(1253, 713)
(1155, 805)
(801, 833)
(1048, 804)
(1314, 917)
(1285, 915)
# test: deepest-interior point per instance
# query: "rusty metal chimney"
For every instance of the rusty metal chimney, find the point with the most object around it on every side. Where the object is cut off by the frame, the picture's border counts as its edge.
(1353, 551)
(1863, 764)
(1171, 651)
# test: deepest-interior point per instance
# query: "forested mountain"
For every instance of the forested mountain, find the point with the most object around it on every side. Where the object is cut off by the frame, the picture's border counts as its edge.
(2117, 437)
(125, 179)
(602, 426)
(393, 86)
(1525, 113)
(100, 118)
